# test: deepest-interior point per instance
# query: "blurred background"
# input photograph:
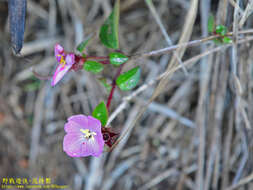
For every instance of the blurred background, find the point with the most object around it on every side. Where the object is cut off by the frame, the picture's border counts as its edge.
(195, 135)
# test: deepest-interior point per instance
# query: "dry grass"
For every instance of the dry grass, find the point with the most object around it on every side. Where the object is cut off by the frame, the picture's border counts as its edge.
(181, 129)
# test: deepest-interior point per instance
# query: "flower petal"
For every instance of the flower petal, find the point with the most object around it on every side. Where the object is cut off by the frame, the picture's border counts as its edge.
(99, 147)
(59, 52)
(72, 144)
(91, 148)
(75, 123)
(59, 73)
(75, 145)
(58, 49)
(94, 124)
(70, 59)
(72, 127)
(84, 122)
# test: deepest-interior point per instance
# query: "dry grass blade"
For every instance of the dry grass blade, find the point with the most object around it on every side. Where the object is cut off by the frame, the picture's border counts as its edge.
(242, 182)
(159, 178)
(36, 131)
(186, 34)
(246, 13)
(163, 30)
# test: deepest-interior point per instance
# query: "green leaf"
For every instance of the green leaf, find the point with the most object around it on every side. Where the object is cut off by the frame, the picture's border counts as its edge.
(105, 84)
(93, 66)
(117, 58)
(109, 30)
(211, 24)
(83, 44)
(227, 40)
(221, 29)
(101, 113)
(129, 79)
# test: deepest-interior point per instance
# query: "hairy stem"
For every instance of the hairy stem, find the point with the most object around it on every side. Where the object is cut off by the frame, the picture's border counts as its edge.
(113, 86)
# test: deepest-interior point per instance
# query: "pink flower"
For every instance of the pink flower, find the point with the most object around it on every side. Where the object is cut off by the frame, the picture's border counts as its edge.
(84, 136)
(65, 63)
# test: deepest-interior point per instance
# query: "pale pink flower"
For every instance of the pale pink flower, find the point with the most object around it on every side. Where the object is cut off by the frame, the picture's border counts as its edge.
(84, 136)
(65, 63)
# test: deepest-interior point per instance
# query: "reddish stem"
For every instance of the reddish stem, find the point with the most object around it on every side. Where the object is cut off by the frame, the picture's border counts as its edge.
(110, 96)
(113, 86)
(103, 59)
(97, 58)
(105, 62)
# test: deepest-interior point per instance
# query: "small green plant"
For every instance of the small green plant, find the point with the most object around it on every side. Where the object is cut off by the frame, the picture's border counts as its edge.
(91, 131)
(220, 30)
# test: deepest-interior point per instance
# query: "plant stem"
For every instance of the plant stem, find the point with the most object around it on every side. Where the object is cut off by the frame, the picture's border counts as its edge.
(113, 86)
(103, 59)
(105, 62)
(97, 58)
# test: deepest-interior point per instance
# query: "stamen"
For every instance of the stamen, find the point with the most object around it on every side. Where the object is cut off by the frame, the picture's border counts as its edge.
(62, 61)
(88, 134)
